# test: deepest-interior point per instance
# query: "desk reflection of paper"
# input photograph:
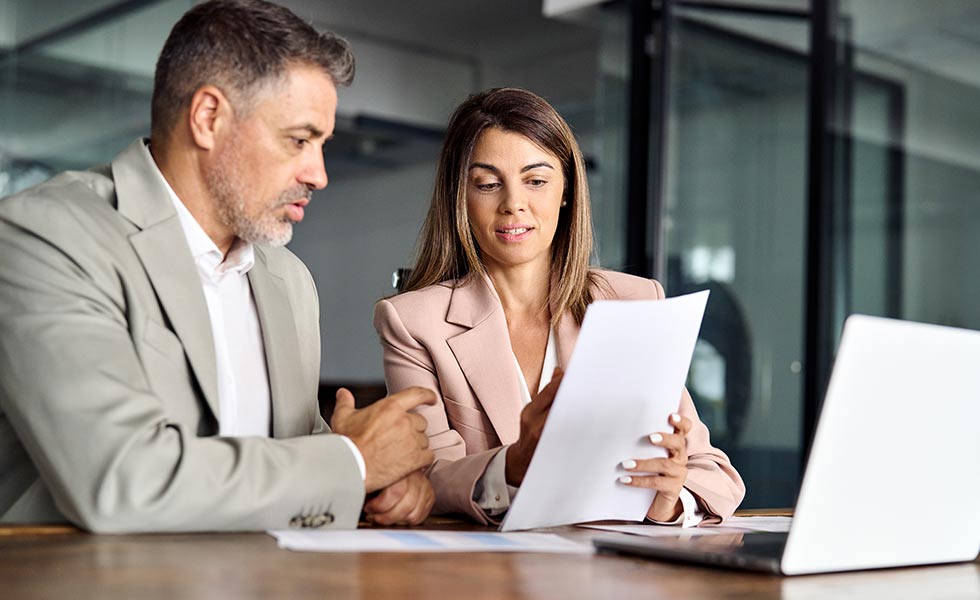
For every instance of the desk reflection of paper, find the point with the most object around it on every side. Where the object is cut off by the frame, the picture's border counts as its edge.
(624, 379)
(420, 540)
(731, 525)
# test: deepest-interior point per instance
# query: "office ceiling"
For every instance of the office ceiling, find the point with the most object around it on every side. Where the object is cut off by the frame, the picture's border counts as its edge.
(99, 104)
(468, 29)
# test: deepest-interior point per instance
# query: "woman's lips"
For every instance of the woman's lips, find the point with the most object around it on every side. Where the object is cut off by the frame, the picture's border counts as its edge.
(514, 233)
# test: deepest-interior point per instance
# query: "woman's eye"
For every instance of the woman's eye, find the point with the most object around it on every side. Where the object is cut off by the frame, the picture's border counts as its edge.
(537, 182)
(487, 187)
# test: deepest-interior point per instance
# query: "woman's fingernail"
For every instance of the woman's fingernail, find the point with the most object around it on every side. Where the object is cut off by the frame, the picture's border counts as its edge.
(675, 418)
(625, 479)
(629, 464)
(656, 438)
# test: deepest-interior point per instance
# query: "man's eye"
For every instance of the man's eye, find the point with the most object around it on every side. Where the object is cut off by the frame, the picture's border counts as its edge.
(300, 142)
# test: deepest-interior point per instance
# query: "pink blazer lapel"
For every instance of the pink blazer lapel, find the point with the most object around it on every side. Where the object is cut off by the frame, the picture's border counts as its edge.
(485, 356)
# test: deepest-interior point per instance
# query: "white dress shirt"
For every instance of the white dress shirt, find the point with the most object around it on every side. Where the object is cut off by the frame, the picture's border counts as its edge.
(244, 400)
(494, 495)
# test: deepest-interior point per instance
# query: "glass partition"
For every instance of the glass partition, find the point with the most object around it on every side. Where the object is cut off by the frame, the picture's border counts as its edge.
(912, 185)
(735, 224)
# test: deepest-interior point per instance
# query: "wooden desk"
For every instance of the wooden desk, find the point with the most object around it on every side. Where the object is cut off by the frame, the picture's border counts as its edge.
(62, 562)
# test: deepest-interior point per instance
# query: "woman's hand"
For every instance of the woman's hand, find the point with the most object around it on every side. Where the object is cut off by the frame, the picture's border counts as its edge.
(666, 475)
(532, 422)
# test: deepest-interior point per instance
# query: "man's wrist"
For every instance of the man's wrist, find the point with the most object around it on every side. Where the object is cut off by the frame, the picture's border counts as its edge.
(358, 457)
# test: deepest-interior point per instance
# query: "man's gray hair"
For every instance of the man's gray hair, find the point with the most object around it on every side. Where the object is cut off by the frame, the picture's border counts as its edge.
(241, 47)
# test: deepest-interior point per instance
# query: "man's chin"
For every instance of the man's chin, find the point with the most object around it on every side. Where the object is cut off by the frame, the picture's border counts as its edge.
(273, 239)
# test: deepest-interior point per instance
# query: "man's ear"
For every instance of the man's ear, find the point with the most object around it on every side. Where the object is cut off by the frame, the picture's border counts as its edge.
(209, 111)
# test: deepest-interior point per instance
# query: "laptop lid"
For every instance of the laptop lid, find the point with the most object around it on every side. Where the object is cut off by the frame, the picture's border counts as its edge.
(893, 477)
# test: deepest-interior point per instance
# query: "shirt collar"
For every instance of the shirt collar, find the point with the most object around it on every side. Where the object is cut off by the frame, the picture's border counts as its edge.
(241, 256)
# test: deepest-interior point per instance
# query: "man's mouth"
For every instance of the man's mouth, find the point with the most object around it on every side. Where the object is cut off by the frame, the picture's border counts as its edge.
(295, 211)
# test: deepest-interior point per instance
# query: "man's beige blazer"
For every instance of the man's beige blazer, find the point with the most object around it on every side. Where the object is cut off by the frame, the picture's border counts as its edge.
(454, 341)
(108, 389)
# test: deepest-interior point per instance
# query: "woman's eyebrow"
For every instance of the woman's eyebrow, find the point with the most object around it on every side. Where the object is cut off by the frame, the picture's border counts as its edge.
(486, 166)
(535, 166)
(490, 167)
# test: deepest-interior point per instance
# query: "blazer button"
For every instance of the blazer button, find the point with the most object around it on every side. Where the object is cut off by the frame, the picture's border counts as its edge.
(321, 520)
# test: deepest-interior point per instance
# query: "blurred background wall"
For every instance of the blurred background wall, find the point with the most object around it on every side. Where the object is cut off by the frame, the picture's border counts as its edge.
(725, 132)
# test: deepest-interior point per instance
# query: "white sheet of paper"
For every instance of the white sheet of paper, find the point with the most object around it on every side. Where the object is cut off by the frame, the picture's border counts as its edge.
(731, 525)
(624, 379)
(419, 540)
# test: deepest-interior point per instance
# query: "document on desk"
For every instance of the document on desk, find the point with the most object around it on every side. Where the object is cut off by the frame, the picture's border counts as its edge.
(420, 540)
(625, 377)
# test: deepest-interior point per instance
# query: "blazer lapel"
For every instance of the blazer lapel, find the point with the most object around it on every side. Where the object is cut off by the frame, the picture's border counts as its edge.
(485, 356)
(162, 248)
(290, 416)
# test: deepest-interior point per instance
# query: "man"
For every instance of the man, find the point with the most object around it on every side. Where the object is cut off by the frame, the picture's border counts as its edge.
(159, 351)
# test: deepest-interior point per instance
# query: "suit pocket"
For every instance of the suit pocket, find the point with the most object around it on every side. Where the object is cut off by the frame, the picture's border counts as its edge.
(472, 425)
(466, 416)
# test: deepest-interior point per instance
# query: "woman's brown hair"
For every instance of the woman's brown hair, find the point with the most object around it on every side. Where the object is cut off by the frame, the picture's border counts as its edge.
(446, 248)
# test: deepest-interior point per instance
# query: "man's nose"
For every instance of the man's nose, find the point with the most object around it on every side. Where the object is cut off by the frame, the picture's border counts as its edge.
(314, 173)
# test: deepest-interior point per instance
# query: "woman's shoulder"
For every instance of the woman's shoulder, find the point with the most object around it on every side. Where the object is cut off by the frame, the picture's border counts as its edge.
(425, 299)
(613, 285)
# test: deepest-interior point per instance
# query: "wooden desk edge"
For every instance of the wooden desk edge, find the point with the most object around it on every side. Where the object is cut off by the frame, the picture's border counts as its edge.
(431, 523)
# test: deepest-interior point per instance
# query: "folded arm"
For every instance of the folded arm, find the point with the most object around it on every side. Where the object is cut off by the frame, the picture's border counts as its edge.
(454, 474)
(74, 389)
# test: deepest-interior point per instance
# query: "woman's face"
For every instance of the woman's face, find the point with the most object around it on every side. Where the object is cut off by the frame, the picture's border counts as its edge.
(514, 191)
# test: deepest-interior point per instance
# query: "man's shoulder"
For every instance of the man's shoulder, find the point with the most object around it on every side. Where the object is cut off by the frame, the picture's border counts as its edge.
(613, 285)
(68, 196)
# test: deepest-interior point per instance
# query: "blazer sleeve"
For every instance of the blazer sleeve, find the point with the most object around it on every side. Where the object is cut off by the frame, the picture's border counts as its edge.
(710, 474)
(73, 388)
(407, 363)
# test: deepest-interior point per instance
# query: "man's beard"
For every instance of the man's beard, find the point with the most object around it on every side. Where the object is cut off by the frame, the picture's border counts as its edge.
(261, 225)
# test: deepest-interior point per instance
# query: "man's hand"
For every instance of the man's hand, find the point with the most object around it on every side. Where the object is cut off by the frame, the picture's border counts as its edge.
(406, 502)
(391, 439)
(532, 422)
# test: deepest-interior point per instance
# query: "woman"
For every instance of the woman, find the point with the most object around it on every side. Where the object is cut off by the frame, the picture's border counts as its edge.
(494, 303)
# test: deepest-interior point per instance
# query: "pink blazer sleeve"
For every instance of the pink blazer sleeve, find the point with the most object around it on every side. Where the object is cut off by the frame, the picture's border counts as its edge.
(710, 474)
(407, 363)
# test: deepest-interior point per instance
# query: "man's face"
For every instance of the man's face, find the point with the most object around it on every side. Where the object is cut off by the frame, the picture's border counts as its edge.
(267, 164)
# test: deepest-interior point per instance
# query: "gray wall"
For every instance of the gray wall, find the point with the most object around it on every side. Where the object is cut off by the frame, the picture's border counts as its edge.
(356, 233)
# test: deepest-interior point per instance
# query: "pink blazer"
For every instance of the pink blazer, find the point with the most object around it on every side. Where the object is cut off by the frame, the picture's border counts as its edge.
(455, 342)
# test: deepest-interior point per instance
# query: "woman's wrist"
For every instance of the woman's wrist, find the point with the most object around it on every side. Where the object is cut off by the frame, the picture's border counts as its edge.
(665, 509)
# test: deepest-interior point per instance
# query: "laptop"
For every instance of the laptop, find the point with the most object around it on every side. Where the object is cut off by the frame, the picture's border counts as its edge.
(893, 476)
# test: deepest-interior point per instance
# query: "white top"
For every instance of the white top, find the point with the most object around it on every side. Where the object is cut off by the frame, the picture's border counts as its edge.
(244, 400)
